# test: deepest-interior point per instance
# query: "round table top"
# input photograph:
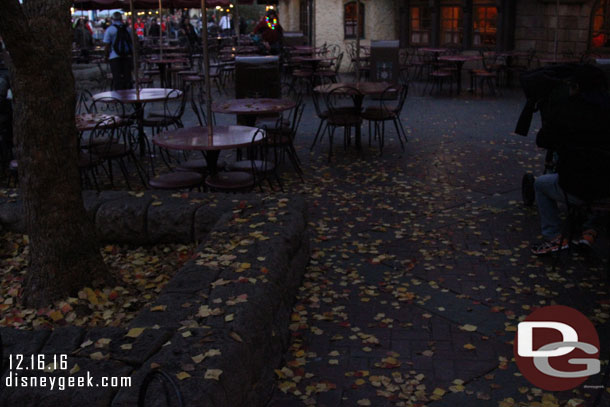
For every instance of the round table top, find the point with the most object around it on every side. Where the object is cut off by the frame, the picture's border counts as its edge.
(459, 58)
(434, 50)
(144, 95)
(88, 121)
(553, 61)
(241, 49)
(303, 47)
(312, 59)
(253, 106)
(167, 47)
(196, 138)
(364, 88)
(165, 60)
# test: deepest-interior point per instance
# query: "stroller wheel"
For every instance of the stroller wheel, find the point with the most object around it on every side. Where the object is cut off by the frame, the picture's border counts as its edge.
(527, 189)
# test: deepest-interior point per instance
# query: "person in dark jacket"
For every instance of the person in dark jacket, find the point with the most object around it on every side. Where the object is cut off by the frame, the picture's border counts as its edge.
(575, 125)
(271, 32)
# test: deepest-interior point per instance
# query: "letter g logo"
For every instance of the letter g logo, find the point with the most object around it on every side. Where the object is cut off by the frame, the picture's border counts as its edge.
(552, 343)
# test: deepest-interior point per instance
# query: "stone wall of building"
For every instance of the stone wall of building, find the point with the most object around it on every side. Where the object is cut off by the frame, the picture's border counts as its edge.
(536, 22)
(381, 21)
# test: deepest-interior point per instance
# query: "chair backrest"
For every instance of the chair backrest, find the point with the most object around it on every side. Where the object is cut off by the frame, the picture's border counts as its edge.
(333, 50)
(258, 151)
(389, 93)
(99, 140)
(338, 63)
(291, 92)
(340, 99)
(296, 119)
(84, 101)
(175, 111)
(315, 98)
(108, 105)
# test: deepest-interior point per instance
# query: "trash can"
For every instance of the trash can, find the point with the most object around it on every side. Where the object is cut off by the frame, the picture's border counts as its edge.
(385, 61)
(257, 77)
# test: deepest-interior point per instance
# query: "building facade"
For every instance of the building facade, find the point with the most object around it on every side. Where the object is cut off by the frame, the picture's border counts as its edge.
(565, 26)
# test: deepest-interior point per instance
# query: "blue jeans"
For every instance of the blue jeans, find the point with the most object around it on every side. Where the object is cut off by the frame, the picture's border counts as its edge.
(548, 193)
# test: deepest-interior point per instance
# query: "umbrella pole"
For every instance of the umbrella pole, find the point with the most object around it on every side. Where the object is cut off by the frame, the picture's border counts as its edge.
(134, 52)
(206, 67)
(236, 22)
(556, 27)
(161, 30)
(357, 41)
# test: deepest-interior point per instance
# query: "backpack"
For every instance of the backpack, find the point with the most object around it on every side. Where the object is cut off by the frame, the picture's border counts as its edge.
(122, 42)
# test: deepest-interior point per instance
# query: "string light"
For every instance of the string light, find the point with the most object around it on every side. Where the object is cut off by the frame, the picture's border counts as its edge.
(271, 24)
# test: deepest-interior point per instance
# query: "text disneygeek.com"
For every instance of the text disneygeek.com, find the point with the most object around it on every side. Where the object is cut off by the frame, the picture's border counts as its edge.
(35, 371)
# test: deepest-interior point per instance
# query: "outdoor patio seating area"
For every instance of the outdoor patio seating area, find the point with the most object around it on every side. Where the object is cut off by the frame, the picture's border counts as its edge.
(250, 204)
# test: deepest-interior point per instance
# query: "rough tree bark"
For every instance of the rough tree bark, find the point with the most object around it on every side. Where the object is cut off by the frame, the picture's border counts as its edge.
(64, 254)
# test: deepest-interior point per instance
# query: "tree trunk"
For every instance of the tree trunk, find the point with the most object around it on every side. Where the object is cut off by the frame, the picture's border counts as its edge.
(64, 254)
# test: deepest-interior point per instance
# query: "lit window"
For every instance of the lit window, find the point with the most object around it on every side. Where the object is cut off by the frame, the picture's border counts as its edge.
(420, 25)
(600, 25)
(349, 23)
(451, 25)
(485, 24)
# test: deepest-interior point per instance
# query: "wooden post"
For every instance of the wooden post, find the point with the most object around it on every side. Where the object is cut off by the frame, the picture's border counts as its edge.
(206, 67)
(134, 52)
(357, 41)
(161, 30)
(236, 22)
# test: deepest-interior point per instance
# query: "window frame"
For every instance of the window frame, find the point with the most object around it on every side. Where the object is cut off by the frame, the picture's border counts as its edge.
(483, 34)
(460, 25)
(604, 5)
(422, 9)
(359, 24)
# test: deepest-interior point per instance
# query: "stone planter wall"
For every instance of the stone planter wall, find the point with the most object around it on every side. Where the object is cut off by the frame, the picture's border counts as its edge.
(233, 300)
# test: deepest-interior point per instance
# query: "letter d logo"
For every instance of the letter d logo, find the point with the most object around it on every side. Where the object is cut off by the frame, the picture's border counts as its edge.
(556, 348)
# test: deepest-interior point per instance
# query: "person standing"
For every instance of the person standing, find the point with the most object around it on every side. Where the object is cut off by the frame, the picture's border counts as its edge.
(83, 39)
(271, 32)
(119, 50)
(225, 25)
(154, 30)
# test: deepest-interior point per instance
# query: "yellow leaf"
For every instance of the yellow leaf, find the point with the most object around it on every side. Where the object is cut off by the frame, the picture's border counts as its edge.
(159, 308)
(91, 296)
(126, 346)
(97, 356)
(469, 346)
(213, 352)
(198, 358)
(183, 375)
(229, 318)
(56, 315)
(468, 328)
(75, 369)
(213, 374)
(364, 402)
(236, 336)
(157, 203)
(134, 332)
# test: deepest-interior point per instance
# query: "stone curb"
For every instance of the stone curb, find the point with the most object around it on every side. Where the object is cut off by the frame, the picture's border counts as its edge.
(143, 218)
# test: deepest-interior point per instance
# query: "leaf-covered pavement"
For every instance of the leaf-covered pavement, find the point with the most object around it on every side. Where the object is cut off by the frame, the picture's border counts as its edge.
(421, 269)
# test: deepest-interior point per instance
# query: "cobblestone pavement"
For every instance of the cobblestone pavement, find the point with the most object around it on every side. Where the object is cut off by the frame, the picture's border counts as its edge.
(421, 267)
